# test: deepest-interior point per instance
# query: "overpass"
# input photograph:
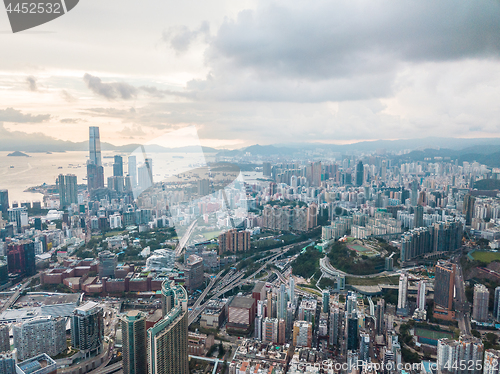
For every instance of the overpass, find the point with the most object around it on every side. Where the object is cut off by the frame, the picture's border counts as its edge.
(185, 238)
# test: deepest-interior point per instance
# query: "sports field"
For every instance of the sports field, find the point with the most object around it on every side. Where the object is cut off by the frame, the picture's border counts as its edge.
(486, 256)
(362, 250)
(432, 334)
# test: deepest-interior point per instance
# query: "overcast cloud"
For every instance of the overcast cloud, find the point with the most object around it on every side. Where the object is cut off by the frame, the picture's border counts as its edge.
(260, 71)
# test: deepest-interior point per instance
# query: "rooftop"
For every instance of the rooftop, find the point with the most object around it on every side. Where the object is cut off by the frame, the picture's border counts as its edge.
(242, 302)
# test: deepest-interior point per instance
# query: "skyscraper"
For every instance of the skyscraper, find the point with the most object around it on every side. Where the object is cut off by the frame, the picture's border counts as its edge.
(421, 293)
(360, 172)
(87, 329)
(496, 304)
(352, 331)
(118, 167)
(95, 146)
(480, 306)
(133, 325)
(39, 335)
(414, 193)
(418, 216)
(403, 295)
(167, 340)
(21, 258)
(4, 201)
(132, 170)
(4, 339)
(107, 264)
(282, 302)
(68, 190)
(95, 171)
(8, 362)
(444, 289)
(326, 301)
(379, 316)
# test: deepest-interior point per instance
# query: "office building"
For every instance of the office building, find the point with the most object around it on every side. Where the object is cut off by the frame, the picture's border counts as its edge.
(94, 146)
(491, 361)
(4, 338)
(444, 290)
(364, 347)
(4, 201)
(68, 190)
(194, 273)
(403, 295)
(95, 177)
(379, 317)
(360, 172)
(118, 167)
(326, 301)
(270, 330)
(496, 304)
(352, 331)
(21, 258)
(134, 345)
(38, 335)
(87, 329)
(480, 305)
(242, 313)
(41, 364)
(18, 216)
(334, 327)
(203, 187)
(168, 339)
(132, 170)
(107, 264)
(302, 334)
(8, 361)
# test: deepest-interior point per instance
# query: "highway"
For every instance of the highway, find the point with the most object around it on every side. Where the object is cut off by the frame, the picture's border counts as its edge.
(16, 294)
(462, 307)
(238, 280)
(185, 238)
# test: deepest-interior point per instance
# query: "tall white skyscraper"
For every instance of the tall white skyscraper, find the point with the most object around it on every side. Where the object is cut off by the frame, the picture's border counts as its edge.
(421, 293)
(95, 146)
(403, 295)
(480, 306)
(132, 170)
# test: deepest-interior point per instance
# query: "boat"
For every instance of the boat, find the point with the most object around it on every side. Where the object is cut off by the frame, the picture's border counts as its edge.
(11, 166)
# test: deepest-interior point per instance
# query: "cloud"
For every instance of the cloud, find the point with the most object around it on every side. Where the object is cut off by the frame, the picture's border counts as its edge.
(32, 85)
(133, 131)
(14, 115)
(342, 50)
(68, 97)
(180, 38)
(111, 91)
(72, 120)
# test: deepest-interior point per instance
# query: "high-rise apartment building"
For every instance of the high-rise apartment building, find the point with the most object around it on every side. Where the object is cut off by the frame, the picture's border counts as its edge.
(326, 301)
(379, 317)
(491, 362)
(444, 290)
(234, 241)
(452, 353)
(39, 335)
(87, 328)
(168, 339)
(480, 305)
(421, 295)
(496, 304)
(8, 361)
(4, 339)
(134, 345)
(68, 190)
(351, 331)
(403, 295)
(418, 216)
(302, 334)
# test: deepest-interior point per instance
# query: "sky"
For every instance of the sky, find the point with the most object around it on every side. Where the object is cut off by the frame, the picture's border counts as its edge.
(248, 71)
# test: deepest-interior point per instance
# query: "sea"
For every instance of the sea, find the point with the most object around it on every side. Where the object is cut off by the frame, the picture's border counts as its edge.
(18, 173)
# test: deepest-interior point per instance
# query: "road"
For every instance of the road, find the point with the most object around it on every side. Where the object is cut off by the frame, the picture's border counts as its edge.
(185, 238)
(328, 268)
(238, 281)
(462, 306)
(16, 294)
